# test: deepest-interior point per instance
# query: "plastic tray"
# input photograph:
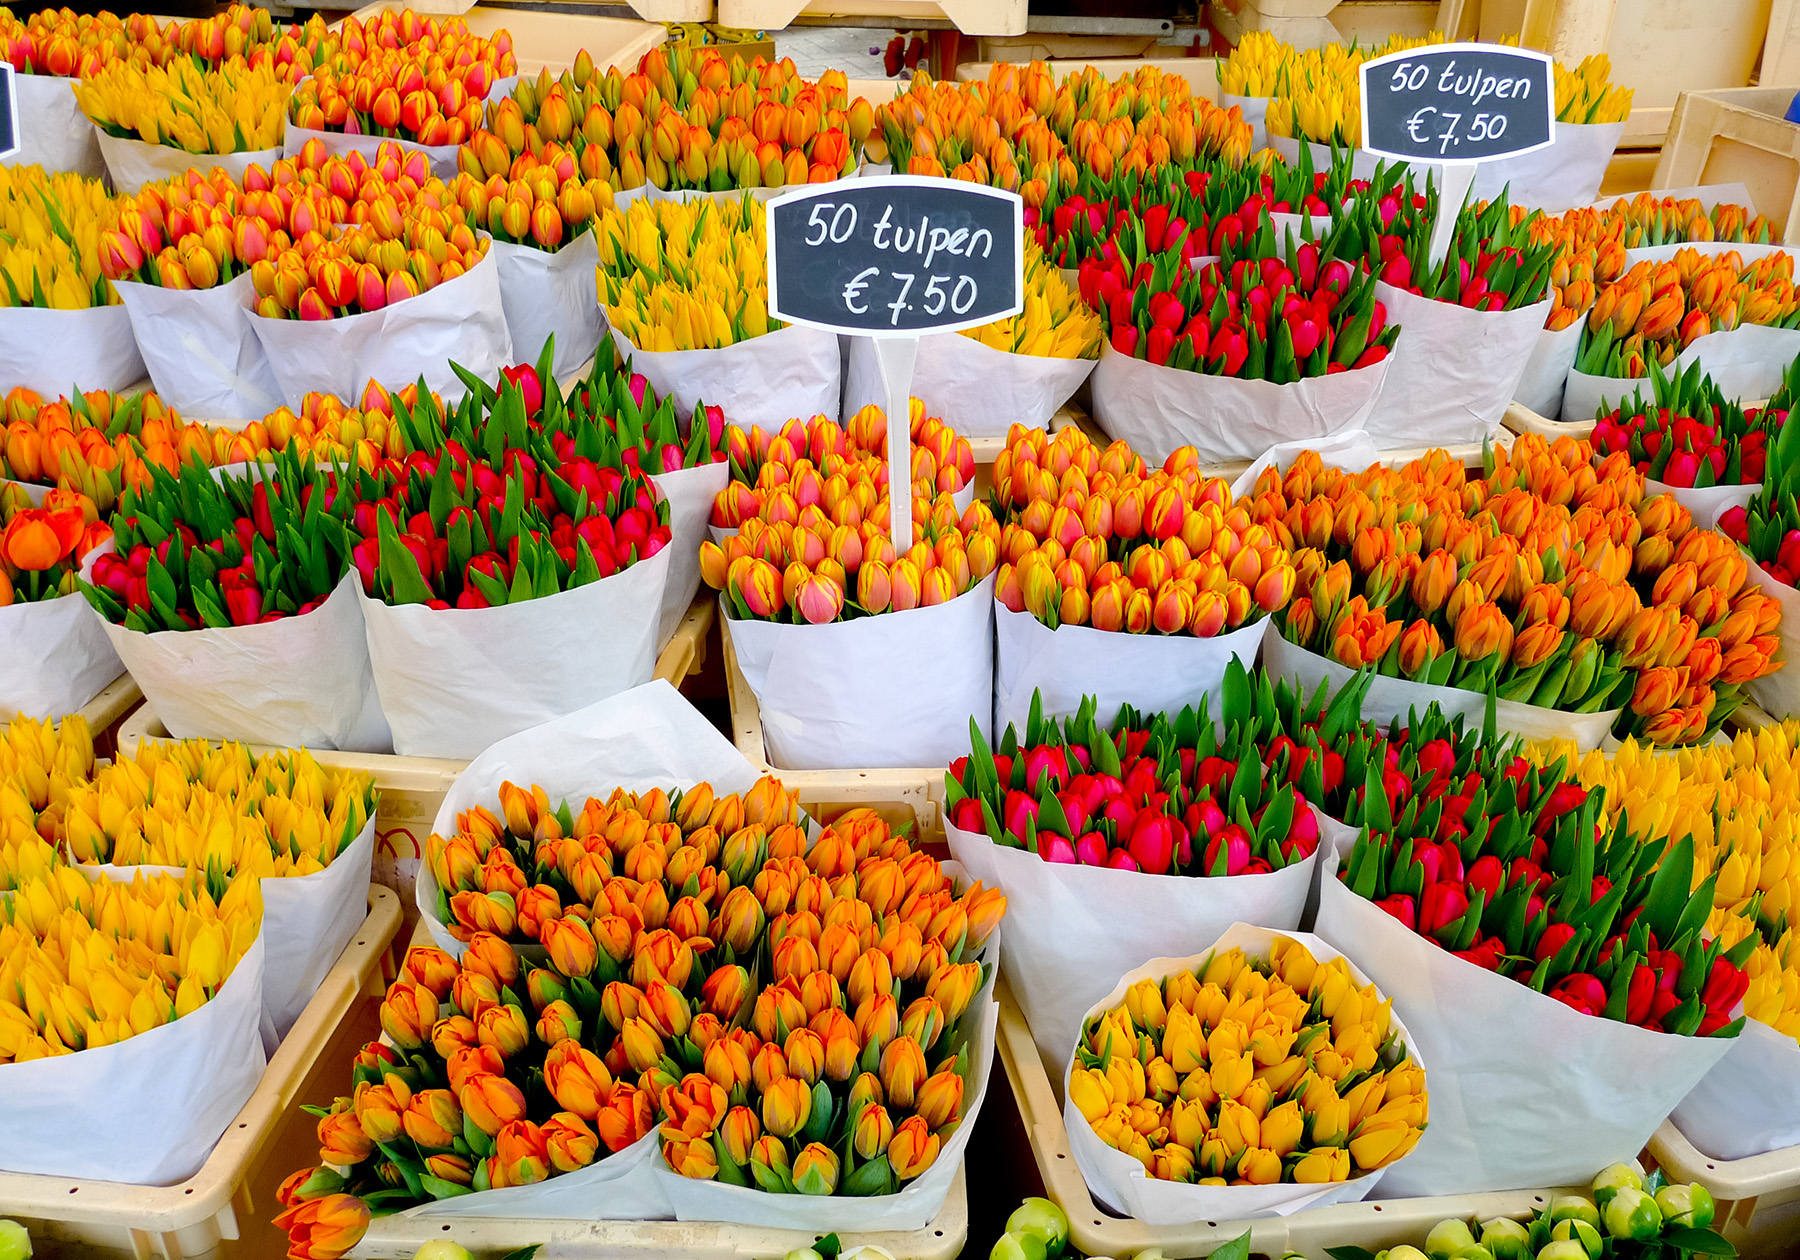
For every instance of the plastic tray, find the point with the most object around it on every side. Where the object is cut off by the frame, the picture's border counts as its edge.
(194, 1217)
(1737, 134)
(971, 17)
(1095, 1231)
(1758, 1198)
(1520, 419)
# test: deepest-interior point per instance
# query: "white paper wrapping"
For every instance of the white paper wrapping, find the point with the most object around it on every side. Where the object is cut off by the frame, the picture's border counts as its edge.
(1746, 363)
(648, 737)
(917, 1203)
(1121, 1182)
(54, 657)
(308, 920)
(1352, 450)
(1547, 370)
(147, 1110)
(339, 144)
(544, 294)
(1254, 109)
(52, 131)
(301, 682)
(1454, 369)
(1072, 929)
(761, 383)
(1778, 693)
(1749, 1104)
(132, 163)
(55, 352)
(199, 349)
(1390, 698)
(978, 390)
(690, 492)
(1153, 673)
(621, 1187)
(1161, 409)
(1525, 1091)
(460, 320)
(896, 689)
(454, 680)
(1566, 174)
(1707, 503)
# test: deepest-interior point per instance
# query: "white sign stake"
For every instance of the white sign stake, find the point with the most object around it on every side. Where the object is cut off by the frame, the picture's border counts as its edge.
(897, 355)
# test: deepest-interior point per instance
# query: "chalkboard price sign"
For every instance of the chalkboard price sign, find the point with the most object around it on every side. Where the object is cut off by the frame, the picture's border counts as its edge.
(1458, 103)
(896, 256)
(9, 112)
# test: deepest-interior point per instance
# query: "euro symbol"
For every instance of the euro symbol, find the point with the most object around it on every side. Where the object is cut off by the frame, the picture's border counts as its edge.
(855, 287)
(1417, 124)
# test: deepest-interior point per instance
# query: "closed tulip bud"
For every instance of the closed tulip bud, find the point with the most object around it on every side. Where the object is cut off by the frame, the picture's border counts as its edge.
(342, 1140)
(504, 1028)
(913, 1149)
(1326, 1164)
(491, 1102)
(786, 1106)
(577, 1079)
(558, 1022)
(408, 1013)
(940, 1099)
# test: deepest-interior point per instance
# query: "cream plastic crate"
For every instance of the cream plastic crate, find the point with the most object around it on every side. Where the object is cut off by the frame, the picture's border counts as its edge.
(1758, 1198)
(971, 17)
(549, 40)
(1733, 135)
(194, 1218)
(1095, 1231)
(1520, 420)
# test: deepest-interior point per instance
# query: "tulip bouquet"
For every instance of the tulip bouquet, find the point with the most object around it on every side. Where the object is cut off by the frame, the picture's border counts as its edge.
(798, 466)
(1494, 263)
(1250, 1071)
(1150, 796)
(195, 550)
(369, 267)
(687, 119)
(30, 753)
(799, 1086)
(1116, 546)
(161, 949)
(42, 548)
(1689, 435)
(685, 275)
(261, 216)
(233, 108)
(330, 430)
(216, 810)
(830, 518)
(1660, 620)
(1505, 866)
(1025, 130)
(99, 442)
(1259, 313)
(50, 228)
(404, 75)
(1645, 221)
(1656, 310)
(544, 205)
(1587, 252)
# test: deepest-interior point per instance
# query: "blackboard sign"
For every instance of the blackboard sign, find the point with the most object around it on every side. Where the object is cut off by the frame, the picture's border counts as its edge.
(896, 255)
(9, 111)
(1458, 103)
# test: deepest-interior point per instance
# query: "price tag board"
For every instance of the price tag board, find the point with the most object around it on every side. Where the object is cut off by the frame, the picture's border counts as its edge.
(9, 112)
(891, 258)
(1458, 103)
(896, 256)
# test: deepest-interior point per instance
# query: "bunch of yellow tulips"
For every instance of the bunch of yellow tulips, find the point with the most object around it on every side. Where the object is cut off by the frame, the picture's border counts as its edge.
(1055, 324)
(50, 229)
(233, 108)
(685, 275)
